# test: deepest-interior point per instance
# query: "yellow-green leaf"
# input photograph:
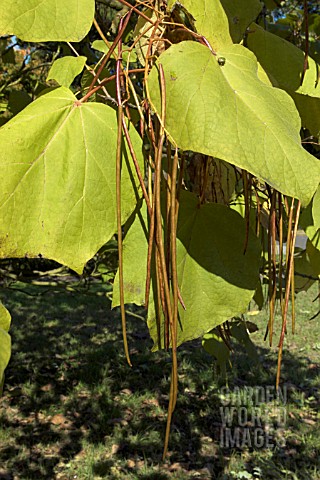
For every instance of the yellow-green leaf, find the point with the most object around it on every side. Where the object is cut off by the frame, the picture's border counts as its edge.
(65, 69)
(241, 14)
(216, 279)
(316, 209)
(5, 341)
(309, 109)
(46, 20)
(309, 221)
(210, 20)
(58, 193)
(225, 111)
(284, 62)
(307, 267)
(5, 318)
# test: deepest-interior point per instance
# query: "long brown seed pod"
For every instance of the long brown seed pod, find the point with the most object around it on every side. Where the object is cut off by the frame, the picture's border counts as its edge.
(118, 188)
(290, 270)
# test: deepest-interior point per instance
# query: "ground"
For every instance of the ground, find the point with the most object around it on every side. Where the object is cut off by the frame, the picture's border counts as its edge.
(72, 408)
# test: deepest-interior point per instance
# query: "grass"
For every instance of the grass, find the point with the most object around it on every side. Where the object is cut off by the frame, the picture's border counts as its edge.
(73, 409)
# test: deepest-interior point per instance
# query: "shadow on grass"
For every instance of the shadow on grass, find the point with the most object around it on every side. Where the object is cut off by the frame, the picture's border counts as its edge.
(72, 408)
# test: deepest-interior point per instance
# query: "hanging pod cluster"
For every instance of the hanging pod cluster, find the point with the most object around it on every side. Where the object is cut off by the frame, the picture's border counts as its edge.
(179, 134)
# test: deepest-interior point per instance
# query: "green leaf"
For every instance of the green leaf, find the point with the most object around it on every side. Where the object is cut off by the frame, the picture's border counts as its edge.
(240, 15)
(101, 46)
(210, 20)
(316, 209)
(283, 30)
(309, 225)
(314, 49)
(270, 4)
(307, 267)
(313, 24)
(238, 330)
(57, 164)
(65, 69)
(227, 112)
(215, 346)
(46, 20)
(283, 62)
(5, 342)
(313, 254)
(5, 318)
(135, 249)
(86, 80)
(309, 110)
(127, 56)
(238, 203)
(263, 76)
(18, 100)
(216, 279)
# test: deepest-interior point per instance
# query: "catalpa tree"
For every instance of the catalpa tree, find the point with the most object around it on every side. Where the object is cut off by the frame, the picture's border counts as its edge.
(188, 129)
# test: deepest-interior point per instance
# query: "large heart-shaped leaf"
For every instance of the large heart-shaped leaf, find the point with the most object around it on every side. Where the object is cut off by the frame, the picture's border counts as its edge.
(216, 279)
(46, 20)
(64, 70)
(57, 193)
(210, 20)
(309, 110)
(5, 341)
(219, 107)
(284, 62)
(240, 15)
